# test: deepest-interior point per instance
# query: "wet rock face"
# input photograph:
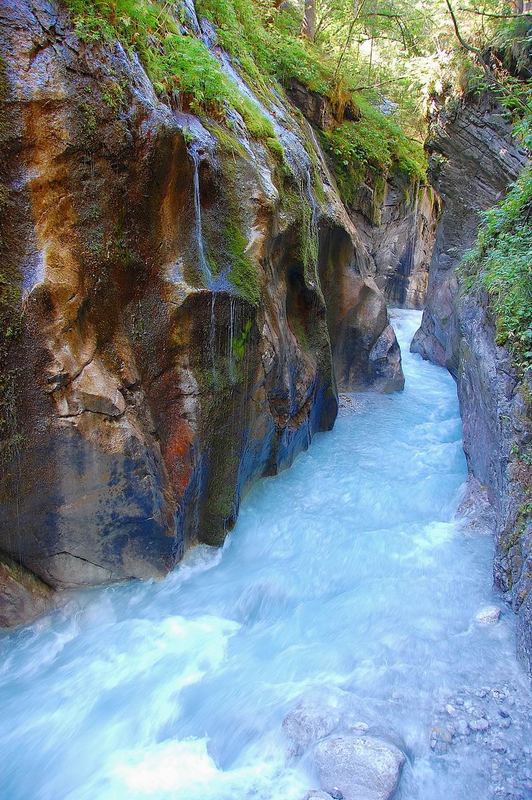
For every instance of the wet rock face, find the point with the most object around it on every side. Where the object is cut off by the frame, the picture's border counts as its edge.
(496, 412)
(394, 218)
(365, 350)
(474, 161)
(177, 339)
(23, 597)
(398, 227)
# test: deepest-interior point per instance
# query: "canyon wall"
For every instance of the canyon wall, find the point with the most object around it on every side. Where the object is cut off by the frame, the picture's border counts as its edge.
(473, 161)
(181, 301)
(398, 226)
(394, 214)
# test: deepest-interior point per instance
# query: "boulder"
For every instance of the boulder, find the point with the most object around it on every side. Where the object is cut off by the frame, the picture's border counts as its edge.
(360, 767)
(385, 363)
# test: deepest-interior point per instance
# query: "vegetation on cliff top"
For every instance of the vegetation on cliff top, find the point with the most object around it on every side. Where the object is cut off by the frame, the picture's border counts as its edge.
(501, 262)
(175, 62)
(382, 58)
(267, 47)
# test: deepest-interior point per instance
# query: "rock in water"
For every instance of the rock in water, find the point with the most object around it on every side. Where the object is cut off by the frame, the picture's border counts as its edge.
(488, 615)
(317, 794)
(23, 597)
(385, 362)
(307, 724)
(360, 767)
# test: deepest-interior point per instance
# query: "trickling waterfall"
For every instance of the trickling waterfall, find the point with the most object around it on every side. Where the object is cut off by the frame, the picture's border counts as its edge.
(231, 339)
(212, 335)
(191, 16)
(203, 263)
(414, 233)
(312, 203)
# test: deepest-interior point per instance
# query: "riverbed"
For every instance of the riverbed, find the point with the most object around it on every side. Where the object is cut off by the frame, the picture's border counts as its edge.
(348, 581)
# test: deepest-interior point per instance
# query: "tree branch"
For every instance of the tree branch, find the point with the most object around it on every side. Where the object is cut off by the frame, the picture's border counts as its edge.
(496, 16)
(462, 41)
(349, 35)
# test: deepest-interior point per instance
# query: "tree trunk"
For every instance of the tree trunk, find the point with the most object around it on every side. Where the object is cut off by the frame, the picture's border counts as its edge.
(308, 27)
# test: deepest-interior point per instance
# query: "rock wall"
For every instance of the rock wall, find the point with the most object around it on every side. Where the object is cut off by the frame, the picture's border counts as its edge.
(394, 216)
(474, 159)
(181, 306)
(398, 227)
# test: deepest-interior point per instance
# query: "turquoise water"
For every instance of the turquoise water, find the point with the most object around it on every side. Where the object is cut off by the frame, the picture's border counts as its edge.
(347, 573)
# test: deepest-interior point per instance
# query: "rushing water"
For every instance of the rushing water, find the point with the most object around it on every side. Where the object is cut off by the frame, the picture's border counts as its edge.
(347, 572)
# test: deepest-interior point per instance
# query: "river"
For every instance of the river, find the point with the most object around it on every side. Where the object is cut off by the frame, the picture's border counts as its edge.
(347, 580)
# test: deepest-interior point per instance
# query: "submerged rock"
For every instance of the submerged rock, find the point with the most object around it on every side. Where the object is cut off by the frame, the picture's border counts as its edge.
(360, 767)
(488, 616)
(440, 739)
(481, 724)
(481, 730)
(307, 724)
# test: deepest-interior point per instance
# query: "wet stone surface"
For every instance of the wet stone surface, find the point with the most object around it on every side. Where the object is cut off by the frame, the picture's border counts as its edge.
(495, 725)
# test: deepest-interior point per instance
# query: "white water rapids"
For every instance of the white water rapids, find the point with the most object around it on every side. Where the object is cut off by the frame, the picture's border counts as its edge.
(347, 573)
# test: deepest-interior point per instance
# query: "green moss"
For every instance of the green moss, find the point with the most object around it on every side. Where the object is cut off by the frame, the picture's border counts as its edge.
(374, 143)
(173, 60)
(243, 273)
(11, 439)
(295, 203)
(298, 329)
(114, 95)
(514, 536)
(500, 262)
(379, 193)
(228, 142)
(240, 341)
(89, 122)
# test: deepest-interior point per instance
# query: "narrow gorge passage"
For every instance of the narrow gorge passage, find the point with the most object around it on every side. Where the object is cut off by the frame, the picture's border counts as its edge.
(347, 580)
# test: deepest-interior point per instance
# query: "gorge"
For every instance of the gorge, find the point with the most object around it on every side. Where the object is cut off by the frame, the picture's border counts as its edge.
(355, 597)
(207, 283)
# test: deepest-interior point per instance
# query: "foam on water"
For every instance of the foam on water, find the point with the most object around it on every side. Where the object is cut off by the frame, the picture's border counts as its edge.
(346, 573)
